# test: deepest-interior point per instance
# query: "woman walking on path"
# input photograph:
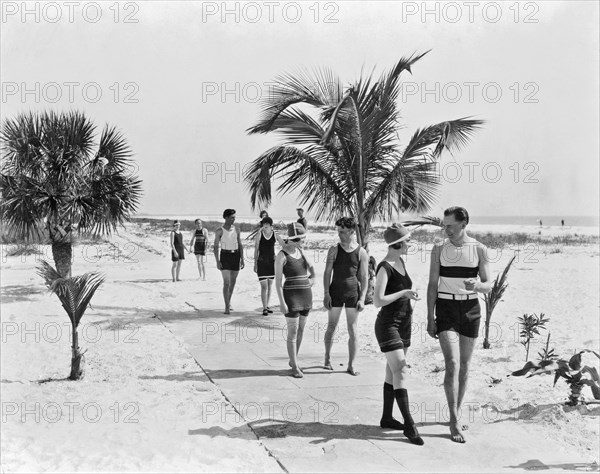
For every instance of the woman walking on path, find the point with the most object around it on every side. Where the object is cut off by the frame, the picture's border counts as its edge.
(295, 295)
(393, 328)
(349, 263)
(177, 250)
(264, 260)
(198, 246)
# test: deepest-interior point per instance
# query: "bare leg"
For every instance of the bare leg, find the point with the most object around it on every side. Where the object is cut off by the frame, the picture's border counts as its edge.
(199, 262)
(234, 275)
(264, 293)
(333, 320)
(178, 269)
(467, 344)
(269, 285)
(301, 325)
(173, 271)
(449, 342)
(292, 334)
(226, 284)
(352, 321)
(202, 267)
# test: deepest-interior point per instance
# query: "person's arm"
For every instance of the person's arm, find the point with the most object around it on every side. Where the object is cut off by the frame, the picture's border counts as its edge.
(432, 289)
(256, 251)
(173, 249)
(279, 262)
(240, 248)
(279, 238)
(205, 232)
(381, 299)
(363, 277)
(327, 276)
(193, 239)
(218, 234)
(484, 285)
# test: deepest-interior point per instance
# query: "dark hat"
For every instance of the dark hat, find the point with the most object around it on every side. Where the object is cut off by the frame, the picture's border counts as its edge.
(396, 233)
(296, 231)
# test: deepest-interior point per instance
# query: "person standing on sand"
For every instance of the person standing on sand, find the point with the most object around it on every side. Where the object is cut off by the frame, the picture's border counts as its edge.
(198, 246)
(230, 260)
(349, 263)
(177, 250)
(393, 292)
(453, 311)
(301, 218)
(264, 260)
(295, 295)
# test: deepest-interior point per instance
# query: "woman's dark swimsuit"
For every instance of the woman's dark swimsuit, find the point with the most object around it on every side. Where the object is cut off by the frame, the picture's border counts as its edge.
(393, 324)
(266, 258)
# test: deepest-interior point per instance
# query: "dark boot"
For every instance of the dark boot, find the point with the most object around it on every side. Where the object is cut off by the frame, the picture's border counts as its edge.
(387, 420)
(410, 430)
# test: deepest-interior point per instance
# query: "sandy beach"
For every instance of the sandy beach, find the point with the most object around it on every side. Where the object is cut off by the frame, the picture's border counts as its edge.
(142, 389)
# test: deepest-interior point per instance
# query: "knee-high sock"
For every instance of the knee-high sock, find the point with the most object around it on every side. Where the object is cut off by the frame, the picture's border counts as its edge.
(388, 401)
(401, 396)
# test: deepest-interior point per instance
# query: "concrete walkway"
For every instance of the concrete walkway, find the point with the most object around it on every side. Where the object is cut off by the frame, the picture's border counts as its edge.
(328, 421)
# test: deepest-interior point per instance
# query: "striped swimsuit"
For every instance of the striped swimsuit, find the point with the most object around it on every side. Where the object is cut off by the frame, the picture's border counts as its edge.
(297, 291)
(457, 309)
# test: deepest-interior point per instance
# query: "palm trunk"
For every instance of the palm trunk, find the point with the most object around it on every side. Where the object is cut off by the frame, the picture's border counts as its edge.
(62, 253)
(575, 398)
(77, 359)
(488, 317)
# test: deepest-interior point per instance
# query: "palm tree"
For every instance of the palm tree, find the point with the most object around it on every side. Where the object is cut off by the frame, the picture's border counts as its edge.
(74, 294)
(54, 179)
(341, 149)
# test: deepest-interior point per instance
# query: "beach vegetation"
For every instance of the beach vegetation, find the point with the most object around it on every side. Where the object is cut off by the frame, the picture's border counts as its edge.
(341, 150)
(531, 325)
(494, 297)
(575, 374)
(56, 179)
(75, 294)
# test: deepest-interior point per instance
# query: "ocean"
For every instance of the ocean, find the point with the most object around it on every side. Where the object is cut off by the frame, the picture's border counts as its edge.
(569, 221)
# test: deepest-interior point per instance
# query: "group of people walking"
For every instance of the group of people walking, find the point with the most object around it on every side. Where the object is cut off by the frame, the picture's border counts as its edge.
(459, 271)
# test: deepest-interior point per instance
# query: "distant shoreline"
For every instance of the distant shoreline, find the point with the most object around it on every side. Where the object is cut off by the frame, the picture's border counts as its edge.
(547, 221)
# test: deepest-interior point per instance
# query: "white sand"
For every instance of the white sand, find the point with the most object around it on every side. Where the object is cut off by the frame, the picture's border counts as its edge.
(131, 412)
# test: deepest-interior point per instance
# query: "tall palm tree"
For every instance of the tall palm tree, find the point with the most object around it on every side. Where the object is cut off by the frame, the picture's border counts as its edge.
(75, 295)
(55, 179)
(341, 149)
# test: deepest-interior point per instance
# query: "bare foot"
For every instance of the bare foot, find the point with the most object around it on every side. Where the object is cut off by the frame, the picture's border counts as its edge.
(351, 371)
(226, 311)
(297, 373)
(456, 433)
(327, 366)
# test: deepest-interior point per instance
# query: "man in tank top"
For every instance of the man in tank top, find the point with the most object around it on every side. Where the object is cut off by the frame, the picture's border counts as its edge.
(349, 263)
(453, 312)
(230, 258)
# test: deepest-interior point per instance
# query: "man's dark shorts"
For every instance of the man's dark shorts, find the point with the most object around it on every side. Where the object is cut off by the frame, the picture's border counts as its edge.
(230, 260)
(462, 316)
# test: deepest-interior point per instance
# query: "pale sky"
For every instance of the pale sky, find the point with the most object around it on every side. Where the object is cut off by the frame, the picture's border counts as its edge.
(182, 84)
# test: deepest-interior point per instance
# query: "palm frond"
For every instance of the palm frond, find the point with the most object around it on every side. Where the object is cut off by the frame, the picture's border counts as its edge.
(499, 287)
(74, 293)
(424, 220)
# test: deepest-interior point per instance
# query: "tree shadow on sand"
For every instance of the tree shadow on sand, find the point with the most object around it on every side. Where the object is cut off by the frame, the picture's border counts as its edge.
(537, 465)
(20, 293)
(185, 377)
(321, 432)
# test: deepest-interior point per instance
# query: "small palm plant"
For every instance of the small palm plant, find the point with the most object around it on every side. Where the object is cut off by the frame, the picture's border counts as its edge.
(575, 374)
(75, 294)
(530, 327)
(493, 298)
